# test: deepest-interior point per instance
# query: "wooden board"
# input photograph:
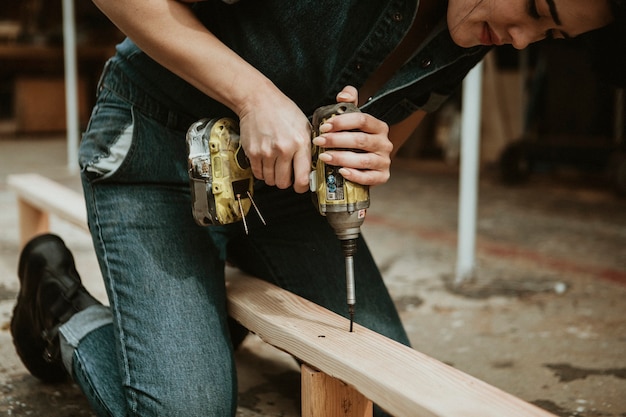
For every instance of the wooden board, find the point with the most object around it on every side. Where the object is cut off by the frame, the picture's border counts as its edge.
(39, 197)
(403, 381)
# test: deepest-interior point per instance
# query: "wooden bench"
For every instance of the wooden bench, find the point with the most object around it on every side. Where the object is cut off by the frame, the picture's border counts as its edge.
(343, 372)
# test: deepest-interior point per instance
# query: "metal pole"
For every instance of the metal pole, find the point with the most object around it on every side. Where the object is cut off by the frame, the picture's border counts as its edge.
(71, 85)
(468, 193)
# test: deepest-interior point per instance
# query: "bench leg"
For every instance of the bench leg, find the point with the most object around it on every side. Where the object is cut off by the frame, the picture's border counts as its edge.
(325, 396)
(32, 221)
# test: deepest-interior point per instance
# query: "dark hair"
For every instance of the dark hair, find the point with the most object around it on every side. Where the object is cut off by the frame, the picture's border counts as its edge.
(607, 47)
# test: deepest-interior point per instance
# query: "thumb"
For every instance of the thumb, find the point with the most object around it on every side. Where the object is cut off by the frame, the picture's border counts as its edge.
(348, 94)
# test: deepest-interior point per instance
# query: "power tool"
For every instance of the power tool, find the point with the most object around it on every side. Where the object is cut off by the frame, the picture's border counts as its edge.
(344, 203)
(220, 176)
(221, 183)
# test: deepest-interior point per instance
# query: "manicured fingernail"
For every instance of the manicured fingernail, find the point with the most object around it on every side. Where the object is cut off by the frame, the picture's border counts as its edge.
(319, 141)
(325, 127)
(325, 157)
(344, 96)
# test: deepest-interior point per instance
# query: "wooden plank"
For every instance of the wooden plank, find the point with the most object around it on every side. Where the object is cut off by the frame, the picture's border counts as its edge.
(41, 193)
(401, 380)
(325, 396)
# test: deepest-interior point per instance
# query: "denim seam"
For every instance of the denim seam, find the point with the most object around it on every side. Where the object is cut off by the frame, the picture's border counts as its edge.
(94, 392)
(117, 317)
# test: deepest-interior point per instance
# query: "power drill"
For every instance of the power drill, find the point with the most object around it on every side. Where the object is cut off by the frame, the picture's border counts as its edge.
(344, 203)
(221, 182)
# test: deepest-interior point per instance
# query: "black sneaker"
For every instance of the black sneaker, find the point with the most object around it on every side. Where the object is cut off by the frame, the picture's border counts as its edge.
(50, 293)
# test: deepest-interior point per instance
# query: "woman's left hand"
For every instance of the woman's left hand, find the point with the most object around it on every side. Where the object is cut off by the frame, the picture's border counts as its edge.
(358, 143)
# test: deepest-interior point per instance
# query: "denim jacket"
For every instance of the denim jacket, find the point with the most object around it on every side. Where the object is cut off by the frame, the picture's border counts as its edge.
(311, 49)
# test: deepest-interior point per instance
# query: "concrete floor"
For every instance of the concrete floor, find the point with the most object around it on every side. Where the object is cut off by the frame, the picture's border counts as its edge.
(544, 317)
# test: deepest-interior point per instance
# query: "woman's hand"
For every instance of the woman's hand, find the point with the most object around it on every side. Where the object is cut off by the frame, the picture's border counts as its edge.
(370, 163)
(276, 137)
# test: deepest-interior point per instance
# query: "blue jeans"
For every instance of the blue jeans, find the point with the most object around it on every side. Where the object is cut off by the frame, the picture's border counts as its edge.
(169, 348)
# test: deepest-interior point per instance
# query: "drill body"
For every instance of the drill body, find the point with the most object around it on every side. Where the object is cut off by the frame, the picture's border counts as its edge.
(343, 202)
(220, 176)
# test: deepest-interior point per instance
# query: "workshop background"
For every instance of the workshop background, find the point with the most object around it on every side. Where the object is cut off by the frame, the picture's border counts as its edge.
(543, 315)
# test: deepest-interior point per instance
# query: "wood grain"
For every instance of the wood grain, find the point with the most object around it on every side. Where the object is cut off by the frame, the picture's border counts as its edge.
(401, 380)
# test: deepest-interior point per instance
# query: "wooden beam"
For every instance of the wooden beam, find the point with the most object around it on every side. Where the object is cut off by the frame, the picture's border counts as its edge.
(401, 380)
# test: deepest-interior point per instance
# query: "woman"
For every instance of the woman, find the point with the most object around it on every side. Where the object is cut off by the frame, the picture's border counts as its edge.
(165, 346)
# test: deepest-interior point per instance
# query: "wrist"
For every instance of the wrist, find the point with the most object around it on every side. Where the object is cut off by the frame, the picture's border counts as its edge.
(250, 94)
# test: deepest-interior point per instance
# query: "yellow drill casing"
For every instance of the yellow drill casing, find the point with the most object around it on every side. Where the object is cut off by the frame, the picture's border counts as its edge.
(344, 202)
(220, 176)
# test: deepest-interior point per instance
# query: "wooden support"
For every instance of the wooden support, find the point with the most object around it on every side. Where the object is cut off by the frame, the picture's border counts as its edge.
(39, 197)
(345, 368)
(32, 220)
(325, 396)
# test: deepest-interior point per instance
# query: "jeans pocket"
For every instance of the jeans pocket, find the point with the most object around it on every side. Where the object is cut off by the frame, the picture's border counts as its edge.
(125, 145)
(108, 137)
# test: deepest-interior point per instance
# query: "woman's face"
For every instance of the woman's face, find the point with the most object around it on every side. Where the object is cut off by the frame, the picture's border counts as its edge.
(521, 22)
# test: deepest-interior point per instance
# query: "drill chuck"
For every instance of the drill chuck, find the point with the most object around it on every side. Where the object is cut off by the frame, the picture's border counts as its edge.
(346, 225)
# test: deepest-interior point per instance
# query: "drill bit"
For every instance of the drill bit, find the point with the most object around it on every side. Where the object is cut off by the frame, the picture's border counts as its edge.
(349, 247)
(350, 297)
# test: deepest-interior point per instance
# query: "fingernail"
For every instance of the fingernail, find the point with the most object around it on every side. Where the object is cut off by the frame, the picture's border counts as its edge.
(326, 127)
(344, 96)
(319, 141)
(325, 157)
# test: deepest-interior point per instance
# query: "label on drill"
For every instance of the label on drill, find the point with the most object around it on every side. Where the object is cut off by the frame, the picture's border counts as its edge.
(334, 184)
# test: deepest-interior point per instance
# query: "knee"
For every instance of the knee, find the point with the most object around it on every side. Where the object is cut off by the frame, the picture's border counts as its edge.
(192, 389)
(212, 398)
